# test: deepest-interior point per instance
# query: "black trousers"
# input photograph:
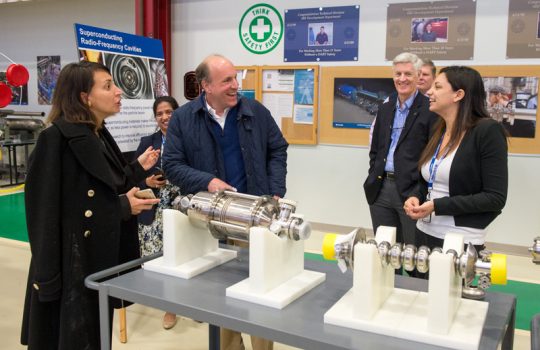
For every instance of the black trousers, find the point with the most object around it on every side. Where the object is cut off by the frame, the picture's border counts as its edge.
(388, 211)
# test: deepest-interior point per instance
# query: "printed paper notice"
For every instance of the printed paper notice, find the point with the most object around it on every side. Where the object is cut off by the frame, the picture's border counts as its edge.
(280, 105)
(278, 80)
(303, 114)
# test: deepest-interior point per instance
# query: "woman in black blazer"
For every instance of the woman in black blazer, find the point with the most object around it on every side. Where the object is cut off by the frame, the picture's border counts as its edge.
(150, 222)
(80, 210)
(464, 165)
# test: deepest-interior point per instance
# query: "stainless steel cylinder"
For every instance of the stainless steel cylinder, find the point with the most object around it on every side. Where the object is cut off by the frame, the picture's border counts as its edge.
(231, 215)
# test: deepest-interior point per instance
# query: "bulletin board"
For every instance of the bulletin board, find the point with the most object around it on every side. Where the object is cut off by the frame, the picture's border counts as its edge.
(291, 95)
(248, 80)
(329, 134)
(526, 139)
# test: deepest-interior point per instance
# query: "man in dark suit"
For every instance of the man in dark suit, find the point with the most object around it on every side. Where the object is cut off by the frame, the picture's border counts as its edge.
(402, 130)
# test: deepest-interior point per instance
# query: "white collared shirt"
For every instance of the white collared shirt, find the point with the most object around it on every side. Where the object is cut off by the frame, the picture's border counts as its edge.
(217, 118)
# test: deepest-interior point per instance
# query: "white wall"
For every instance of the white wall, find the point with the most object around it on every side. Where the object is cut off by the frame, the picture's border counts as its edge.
(43, 28)
(327, 179)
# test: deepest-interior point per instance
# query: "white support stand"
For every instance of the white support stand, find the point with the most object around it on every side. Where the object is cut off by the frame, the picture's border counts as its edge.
(438, 317)
(188, 249)
(372, 281)
(276, 271)
(444, 286)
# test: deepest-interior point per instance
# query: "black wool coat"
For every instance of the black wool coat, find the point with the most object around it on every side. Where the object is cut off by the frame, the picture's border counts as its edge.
(78, 223)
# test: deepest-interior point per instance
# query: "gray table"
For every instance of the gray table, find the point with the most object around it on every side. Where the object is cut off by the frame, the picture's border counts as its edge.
(300, 324)
(535, 332)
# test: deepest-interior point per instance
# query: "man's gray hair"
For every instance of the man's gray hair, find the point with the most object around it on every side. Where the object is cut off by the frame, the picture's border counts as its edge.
(407, 57)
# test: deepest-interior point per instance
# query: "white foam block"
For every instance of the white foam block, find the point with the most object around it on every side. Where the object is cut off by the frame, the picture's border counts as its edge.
(445, 286)
(280, 296)
(404, 315)
(276, 271)
(373, 282)
(192, 267)
(188, 249)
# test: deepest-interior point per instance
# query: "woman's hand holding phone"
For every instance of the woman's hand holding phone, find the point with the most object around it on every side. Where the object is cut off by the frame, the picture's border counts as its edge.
(157, 180)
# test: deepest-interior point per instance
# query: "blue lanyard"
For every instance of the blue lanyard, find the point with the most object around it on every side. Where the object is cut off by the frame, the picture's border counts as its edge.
(161, 151)
(434, 165)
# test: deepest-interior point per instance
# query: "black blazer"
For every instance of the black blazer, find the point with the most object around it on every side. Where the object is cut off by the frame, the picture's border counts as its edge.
(147, 216)
(414, 137)
(478, 177)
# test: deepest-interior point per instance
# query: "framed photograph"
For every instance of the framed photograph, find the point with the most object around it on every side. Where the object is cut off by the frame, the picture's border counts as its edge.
(429, 30)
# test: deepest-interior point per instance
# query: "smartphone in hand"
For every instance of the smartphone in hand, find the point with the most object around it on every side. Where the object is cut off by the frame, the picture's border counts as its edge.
(159, 174)
(145, 194)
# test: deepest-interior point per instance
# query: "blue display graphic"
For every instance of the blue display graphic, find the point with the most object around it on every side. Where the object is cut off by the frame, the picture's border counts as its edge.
(99, 39)
(303, 87)
(322, 34)
(357, 100)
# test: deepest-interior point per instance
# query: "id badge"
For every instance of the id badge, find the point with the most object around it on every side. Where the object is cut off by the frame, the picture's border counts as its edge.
(427, 219)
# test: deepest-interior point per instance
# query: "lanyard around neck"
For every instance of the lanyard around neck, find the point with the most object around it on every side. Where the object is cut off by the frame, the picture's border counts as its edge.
(161, 151)
(434, 164)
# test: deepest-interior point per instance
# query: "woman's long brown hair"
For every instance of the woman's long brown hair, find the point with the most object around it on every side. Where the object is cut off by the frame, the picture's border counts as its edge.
(471, 109)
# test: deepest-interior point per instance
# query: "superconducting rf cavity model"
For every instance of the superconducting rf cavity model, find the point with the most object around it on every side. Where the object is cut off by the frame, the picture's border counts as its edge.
(275, 233)
(440, 316)
(230, 215)
(469, 265)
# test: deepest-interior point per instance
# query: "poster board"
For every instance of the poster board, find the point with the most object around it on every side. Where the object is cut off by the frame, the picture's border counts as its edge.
(360, 137)
(137, 66)
(248, 80)
(291, 95)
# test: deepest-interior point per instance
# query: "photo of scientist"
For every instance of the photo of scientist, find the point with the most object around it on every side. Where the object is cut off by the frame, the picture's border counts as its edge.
(429, 30)
(323, 36)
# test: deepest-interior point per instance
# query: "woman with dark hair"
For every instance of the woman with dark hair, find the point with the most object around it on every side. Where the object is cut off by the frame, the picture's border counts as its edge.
(80, 210)
(464, 165)
(150, 222)
(163, 108)
(428, 35)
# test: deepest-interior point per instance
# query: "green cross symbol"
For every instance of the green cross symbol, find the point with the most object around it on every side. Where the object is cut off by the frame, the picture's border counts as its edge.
(260, 28)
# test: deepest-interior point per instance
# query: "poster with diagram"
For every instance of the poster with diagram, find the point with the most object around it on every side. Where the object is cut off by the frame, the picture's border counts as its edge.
(137, 66)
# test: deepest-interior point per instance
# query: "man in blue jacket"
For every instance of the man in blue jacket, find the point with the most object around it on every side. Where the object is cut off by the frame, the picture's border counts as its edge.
(222, 141)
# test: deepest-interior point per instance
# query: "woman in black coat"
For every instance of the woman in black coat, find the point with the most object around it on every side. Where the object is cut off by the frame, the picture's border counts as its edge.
(80, 207)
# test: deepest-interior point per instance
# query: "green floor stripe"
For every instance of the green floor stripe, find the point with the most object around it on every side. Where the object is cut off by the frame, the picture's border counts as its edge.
(316, 257)
(12, 217)
(528, 301)
(527, 295)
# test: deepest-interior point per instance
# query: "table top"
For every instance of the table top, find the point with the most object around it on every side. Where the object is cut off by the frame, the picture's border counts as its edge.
(299, 324)
(9, 143)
